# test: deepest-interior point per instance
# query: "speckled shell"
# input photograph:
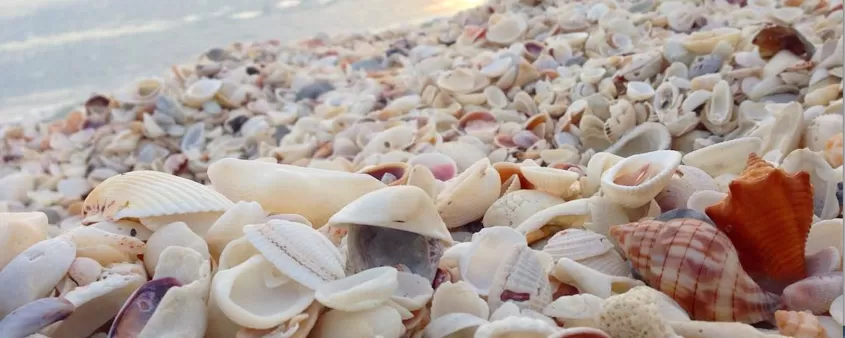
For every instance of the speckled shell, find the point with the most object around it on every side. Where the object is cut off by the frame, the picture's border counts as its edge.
(770, 254)
(144, 193)
(799, 324)
(520, 279)
(696, 265)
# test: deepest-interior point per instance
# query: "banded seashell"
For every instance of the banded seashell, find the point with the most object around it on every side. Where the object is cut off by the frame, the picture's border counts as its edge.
(141, 194)
(691, 265)
(521, 279)
(298, 251)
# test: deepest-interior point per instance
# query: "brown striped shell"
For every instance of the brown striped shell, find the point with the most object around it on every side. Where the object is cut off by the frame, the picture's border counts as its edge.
(696, 265)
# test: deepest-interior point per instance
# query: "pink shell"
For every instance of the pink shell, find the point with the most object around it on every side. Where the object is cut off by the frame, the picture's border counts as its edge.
(814, 294)
(696, 265)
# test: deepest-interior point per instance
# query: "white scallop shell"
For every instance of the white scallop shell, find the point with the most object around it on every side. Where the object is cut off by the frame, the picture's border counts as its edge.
(482, 260)
(520, 272)
(364, 290)
(140, 194)
(406, 208)
(458, 297)
(34, 272)
(298, 251)
(84, 270)
(575, 310)
(515, 207)
(664, 161)
(254, 294)
(577, 244)
(726, 157)
(467, 196)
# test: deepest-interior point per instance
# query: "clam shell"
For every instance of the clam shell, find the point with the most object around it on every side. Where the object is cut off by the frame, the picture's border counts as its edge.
(570, 214)
(35, 315)
(515, 207)
(454, 203)
(96, 304)
(576, 310)
(577, 244)
(364, 290)
(443, 167)
(382, 321)
(140, 307)
(201, 91)
(297, 251)
(140, 194)
(520, 278)
(515, 326)
(34, 272)
(814, 294)
(452, 324)
(189, 301)
(231, 178)
(458, 297)
(724, 157)
(661, 163)
(254, 294)
(174, 234)
(480, 262)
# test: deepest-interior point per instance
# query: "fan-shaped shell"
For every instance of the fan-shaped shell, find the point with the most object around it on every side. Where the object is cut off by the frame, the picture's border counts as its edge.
(140, 194)
(298, 251)
(521, 279)
(480, 262)
(702, 261)
(636, 180)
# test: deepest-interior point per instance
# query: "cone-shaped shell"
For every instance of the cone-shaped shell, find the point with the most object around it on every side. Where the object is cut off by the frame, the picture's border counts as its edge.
(467, 197)
(287, 189)
(767, 216)
(406, 208)
(144, 193)
(696, 265)
(298, 251)
(636, 180)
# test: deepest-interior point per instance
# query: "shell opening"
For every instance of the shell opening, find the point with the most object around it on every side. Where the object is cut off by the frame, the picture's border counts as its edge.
(636, 177)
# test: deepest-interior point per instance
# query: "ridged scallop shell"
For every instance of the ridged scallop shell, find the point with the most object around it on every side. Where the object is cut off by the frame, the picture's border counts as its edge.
(576, 310)
(298, 251)
(515, 207)
(478, 264)
(140, 194)
(636, 180)
(521, 279)
(467, 196)
(814, 294)
(233, 178)
(702, 260)
(799, 324)
(577, 244)
(364, 290)
(772, 255)
(724, 157)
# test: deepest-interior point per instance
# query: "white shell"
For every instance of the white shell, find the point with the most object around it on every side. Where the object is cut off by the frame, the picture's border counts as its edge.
(639, 91)
(520, 272)
(728, 157)
(665, 161)
(825, 234)
(19, 231)
(254, 294)
(516, 327)
(577, 244)
(553, 181)
(413, 291)
(382, 321)
(590, 281)
(468, 196)
(458, 297)
(700, 200)
(515, 207)
(836, 309)
(646, 137)
(576, 310)
(364, 290)
(33, 273)
(97, 303)
(822, 177)
(230, 225)
(298, 251)
(140, 194)
(458, 323)
(84, 270)
(481, 261)
(201, 91)
(570, 214)
(173, 234)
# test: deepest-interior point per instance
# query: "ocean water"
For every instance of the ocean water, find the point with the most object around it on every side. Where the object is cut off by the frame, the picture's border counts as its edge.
(54, 53)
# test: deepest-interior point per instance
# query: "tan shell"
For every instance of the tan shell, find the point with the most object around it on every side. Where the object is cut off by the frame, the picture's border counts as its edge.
(515, 207)
(557, 182)
(140, 194)
(458, 297)
(467, 197)
(724, 157)
(570, 214)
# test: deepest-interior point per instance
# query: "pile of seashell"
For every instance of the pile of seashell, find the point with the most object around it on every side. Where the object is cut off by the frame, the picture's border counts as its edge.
(527, 168)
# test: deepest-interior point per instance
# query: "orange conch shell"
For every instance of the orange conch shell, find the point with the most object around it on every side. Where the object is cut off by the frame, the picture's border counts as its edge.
(767, 215)
(695, 264)
(799, 324)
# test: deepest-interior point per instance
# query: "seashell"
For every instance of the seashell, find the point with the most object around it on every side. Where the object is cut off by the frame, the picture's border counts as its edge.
(814, 294)
(520, 278)
(174, 234)
(364, 290)
(96, 304)
(34, 316)
(836, 309)
(185, 264)
(140, 307)
(382, 321)
(824, 234)
(480, 124)
(458, 297)
(639, 91)
(390, 173)
(689, 288)
(773, 38)
(201, 91)
(799, 324)
(297, 251)
(308, 184)
(703, 329)
(84, 270)
(125, 228)
(141, 91)
(455, 324)
(230, 225)
(481, 181)
(779, 259)
(822, 178)
(443, 167)
(604, 214)
(19, 231)
(786, 125)
(553, 181)
(590, 281)
(636, 180)
(723, 157)
(700, 200)
(280, 298)
(685, 181)
(34, 272)
(632, 314)
(105, 247)
(544, 223)
(704, 42)
(126, 196)
(581, 310)
(824, 261)
(833, 150)
(462, 81)
(596, 167)
(411, 224)
(646, 137)
(515, 327)
(717, 115)
(477, 265)
(515, 207)
(413, 291)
